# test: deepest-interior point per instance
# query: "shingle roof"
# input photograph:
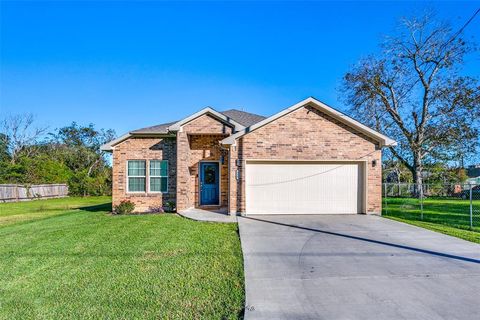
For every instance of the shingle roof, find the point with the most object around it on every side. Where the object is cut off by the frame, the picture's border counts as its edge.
(473, 172)
(159, 128)
(244, 118)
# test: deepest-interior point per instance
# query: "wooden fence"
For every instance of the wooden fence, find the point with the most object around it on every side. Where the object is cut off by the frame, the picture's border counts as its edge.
(19, 192)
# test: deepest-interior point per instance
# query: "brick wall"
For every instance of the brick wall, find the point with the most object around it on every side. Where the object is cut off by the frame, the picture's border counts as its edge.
(207, 124)
(199, 140)
(143, 149)
(207, 148)
(305, 134)
(184, 198)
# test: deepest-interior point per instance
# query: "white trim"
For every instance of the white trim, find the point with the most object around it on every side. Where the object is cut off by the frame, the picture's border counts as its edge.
(366, 165)
(363, 163)
(127, 191)
(384, 140)
(149, 176)
(300, 160)
(177, 126)
(109, 145)
(229, 167)
(219, 183)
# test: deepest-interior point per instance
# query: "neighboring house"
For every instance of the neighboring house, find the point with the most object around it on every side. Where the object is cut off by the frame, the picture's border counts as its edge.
(473, 180)
(473, 173)
(306, 159)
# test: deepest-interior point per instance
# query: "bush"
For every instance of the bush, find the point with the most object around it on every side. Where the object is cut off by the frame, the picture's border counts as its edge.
(80, 184)
(169, 206)
(125, 207)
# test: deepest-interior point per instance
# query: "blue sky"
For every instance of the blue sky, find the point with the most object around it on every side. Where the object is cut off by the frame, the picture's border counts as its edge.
(126, 65)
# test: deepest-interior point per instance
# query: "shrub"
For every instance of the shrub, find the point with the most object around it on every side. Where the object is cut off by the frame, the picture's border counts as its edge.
(80, 184)
(169, 206)
(125, 207)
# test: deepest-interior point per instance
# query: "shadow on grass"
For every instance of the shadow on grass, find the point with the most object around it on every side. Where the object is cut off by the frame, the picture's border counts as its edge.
(104, 207)
(99, 207)
(384, 243)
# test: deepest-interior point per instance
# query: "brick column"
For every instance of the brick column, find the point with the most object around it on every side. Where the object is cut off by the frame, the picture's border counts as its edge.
(183, 175)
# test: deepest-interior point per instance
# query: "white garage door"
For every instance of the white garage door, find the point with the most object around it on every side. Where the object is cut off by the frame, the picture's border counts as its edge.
(303, 188)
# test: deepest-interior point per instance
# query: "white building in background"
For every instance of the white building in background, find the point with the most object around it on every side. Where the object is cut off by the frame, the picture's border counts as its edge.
(473, 173)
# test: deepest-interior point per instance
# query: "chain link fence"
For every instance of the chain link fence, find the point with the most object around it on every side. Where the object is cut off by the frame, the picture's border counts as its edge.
(455, 205)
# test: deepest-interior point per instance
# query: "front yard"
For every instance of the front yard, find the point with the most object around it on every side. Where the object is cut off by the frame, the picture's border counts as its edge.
(68, 258)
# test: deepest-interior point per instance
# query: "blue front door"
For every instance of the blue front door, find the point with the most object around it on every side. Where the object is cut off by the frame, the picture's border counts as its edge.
(209, 183)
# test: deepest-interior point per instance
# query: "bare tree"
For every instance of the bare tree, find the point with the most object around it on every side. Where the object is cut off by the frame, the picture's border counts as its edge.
(413, 91)
(21, 134)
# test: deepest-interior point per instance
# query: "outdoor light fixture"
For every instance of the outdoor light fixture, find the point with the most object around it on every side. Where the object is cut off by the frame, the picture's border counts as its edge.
(374, 163)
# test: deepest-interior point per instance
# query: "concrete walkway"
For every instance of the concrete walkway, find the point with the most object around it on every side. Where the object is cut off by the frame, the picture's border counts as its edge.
(356, 267)
(205, 215)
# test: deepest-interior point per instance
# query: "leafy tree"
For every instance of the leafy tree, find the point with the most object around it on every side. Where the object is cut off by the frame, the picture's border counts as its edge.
(78, 147)
(71, 155)
(440, 174)
(9, 172)
(396, 172)
(4, 155)
(462, 175)
(413, 91)
(43, 169)
(12, 172)
(83, 145)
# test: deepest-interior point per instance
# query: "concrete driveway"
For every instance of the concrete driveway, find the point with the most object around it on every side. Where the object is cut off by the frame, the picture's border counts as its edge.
(356, 267)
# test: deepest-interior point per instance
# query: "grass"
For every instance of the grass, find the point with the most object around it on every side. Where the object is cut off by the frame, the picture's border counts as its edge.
(447, 216)
(14, 212)
(68, 258)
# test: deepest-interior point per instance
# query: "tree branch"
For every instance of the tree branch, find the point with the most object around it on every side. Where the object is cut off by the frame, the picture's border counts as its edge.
(400, 158)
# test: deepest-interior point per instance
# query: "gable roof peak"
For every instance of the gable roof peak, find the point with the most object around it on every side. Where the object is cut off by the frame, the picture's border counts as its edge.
(210, 111)
(340, 116)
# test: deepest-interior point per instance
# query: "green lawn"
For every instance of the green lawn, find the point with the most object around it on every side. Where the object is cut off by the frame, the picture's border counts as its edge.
(12, 212)
(442, 215)
(68, 258)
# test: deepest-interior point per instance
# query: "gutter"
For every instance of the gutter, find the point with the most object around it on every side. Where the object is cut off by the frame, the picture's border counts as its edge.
(108, 147)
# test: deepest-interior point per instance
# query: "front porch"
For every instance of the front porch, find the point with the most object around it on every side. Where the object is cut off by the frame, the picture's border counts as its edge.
(209, 214)
(203, 177)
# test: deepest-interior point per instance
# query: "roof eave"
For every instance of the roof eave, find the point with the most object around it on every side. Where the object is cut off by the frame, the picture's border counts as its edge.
(382, 139)
(108, 147)
(152, 134)
(389, 143)
(176, 127)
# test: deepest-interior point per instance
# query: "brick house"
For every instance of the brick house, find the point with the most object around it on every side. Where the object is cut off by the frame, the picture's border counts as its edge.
(306, 159)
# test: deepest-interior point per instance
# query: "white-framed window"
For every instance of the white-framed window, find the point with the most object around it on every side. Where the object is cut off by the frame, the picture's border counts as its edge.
(158, 176)
(136, 175)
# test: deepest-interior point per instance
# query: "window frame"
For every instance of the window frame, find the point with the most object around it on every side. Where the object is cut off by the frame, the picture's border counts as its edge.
(150, 176)
(129, 176)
